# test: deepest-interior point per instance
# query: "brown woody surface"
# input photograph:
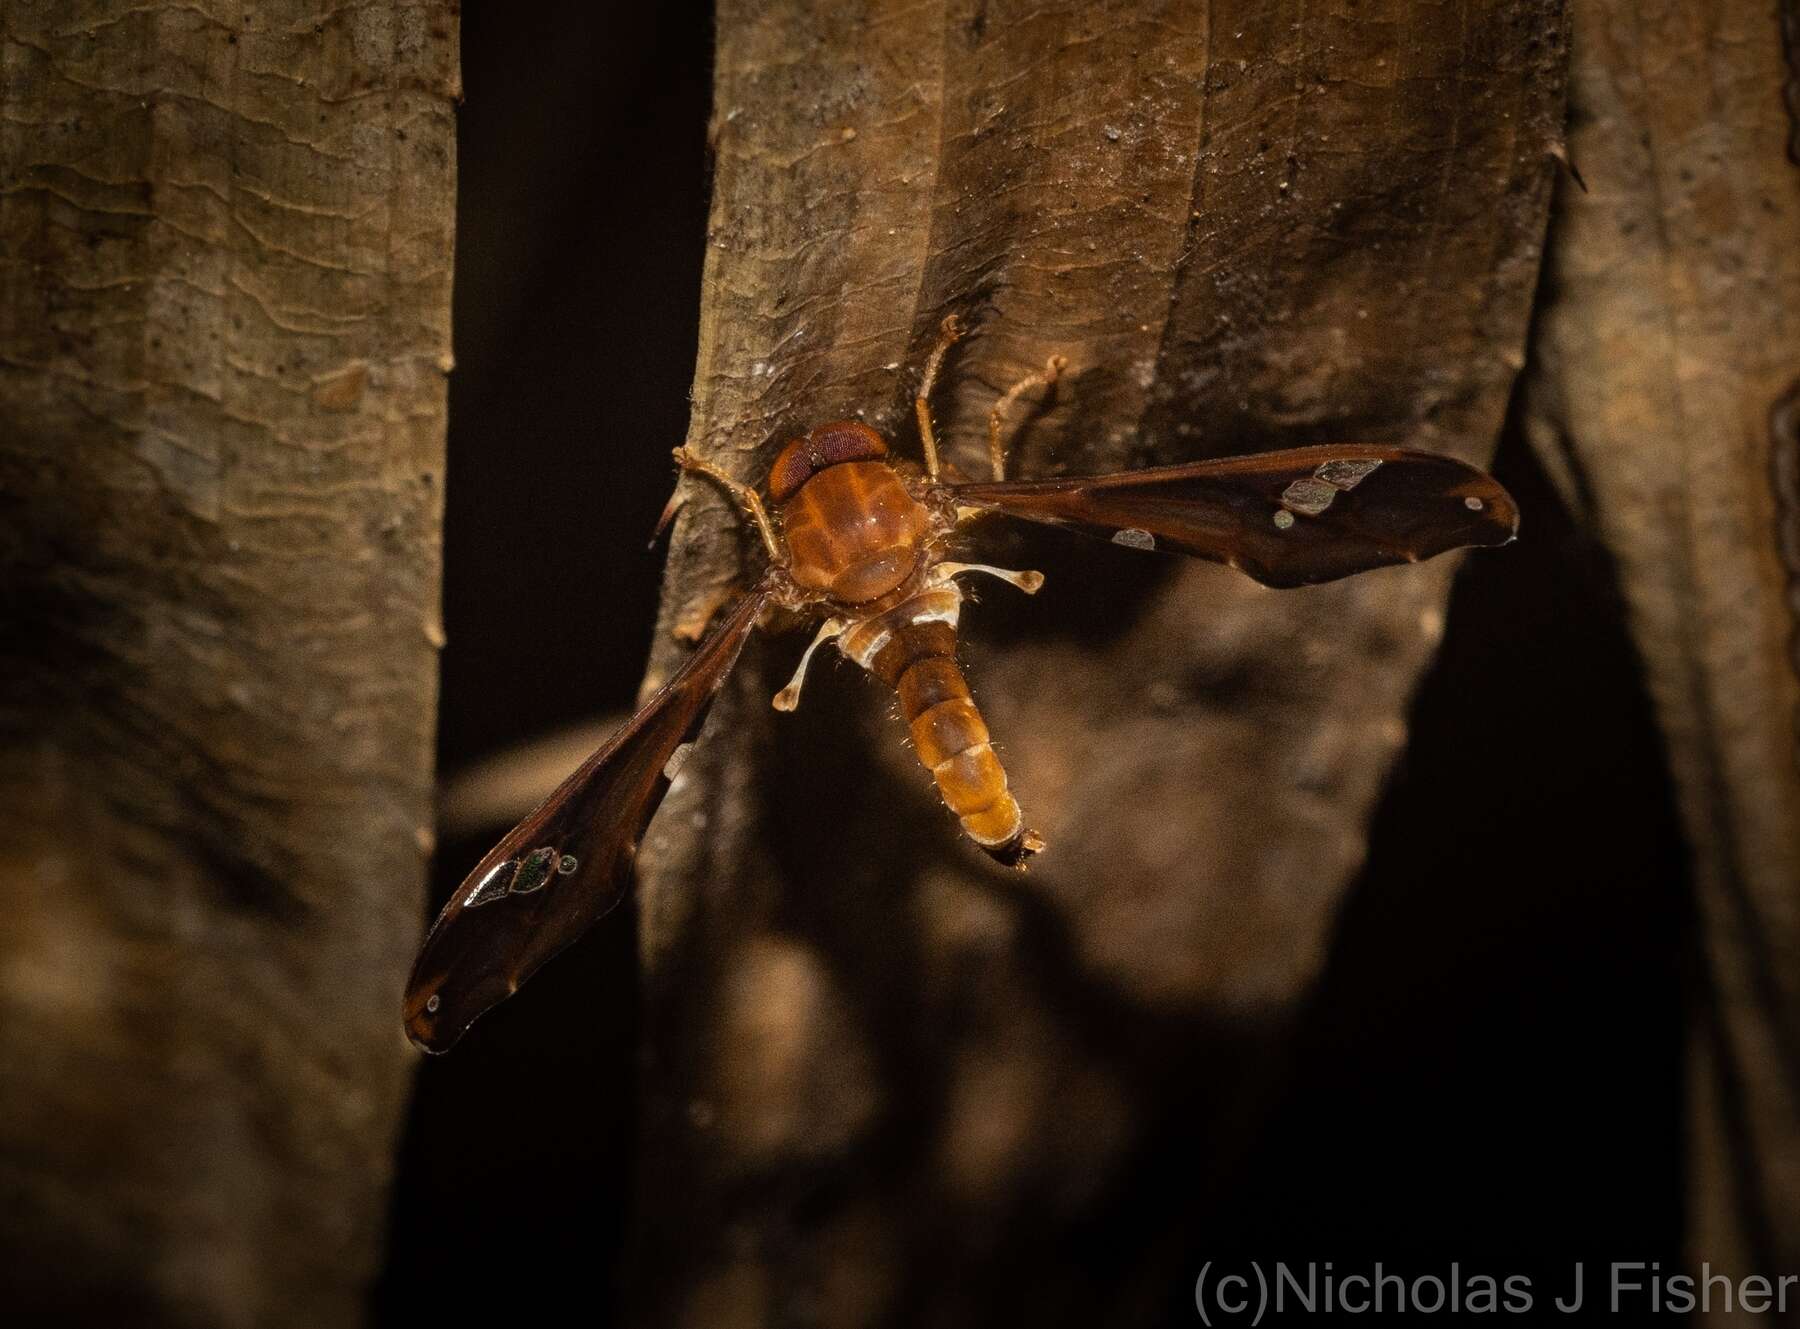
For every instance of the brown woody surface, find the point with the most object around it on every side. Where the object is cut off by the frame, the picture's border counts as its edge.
(1669, 349)
(879, 1068)
(224, 327)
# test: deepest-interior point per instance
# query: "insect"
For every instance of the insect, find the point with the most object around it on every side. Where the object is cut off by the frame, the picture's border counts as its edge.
(861, 543)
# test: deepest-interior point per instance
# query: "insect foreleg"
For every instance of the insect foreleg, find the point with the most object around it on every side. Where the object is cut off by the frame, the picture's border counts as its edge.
(1044, 378)
(744, 494)
(948, 336)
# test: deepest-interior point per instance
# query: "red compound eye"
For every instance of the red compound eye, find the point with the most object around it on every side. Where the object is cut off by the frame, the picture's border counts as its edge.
(803, 458)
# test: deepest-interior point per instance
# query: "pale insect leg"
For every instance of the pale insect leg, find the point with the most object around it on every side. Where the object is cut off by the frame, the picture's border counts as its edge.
(949, 334)
(1044, 378)
(1029, 582)
(789, 697)
(744, 494)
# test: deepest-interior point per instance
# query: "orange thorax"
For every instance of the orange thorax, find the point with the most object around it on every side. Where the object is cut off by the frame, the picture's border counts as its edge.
(853, 531)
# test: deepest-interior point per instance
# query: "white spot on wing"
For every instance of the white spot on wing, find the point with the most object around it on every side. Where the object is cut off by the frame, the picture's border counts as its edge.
(1347, 472)
(1309, 496)
(677, 759)
(492, 886)
(1133, 538)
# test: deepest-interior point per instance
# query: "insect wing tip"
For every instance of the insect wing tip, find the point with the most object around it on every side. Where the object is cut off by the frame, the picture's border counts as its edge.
(429, 1049)
(425, 1034)
(1496, 513)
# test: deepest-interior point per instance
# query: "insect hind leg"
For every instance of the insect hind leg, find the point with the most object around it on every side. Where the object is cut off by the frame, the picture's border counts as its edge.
(1029, 582)
(789, 697)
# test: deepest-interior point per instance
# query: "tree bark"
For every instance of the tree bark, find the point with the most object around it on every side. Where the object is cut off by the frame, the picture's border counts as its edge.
(881, 1072)
(224, 330)
(1666, 395)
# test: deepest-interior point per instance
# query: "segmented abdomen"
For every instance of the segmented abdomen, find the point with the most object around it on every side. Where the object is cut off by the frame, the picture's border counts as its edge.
(915, 654)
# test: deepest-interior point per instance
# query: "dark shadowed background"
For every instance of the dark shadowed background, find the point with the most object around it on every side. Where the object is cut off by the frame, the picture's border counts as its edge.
(1491, 1069)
